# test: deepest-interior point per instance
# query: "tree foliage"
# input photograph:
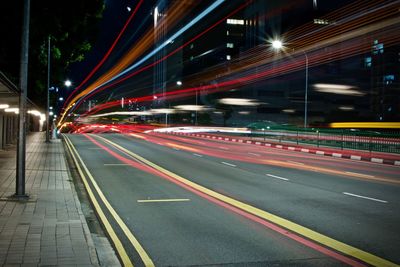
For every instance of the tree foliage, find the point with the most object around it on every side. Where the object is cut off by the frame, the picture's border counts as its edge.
(72, 27)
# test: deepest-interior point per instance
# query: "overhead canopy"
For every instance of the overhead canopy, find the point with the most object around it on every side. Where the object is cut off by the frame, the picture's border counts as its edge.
(9, 93)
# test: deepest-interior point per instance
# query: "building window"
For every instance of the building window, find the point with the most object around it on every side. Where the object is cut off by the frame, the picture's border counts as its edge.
(227, 33)
(388, 79)
(235, 21)
(368, 62)
(377, 48)
(228, 57)
(229, 45)
(321, 21)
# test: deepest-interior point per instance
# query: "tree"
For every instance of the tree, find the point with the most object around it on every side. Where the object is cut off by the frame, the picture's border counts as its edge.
(72, 26)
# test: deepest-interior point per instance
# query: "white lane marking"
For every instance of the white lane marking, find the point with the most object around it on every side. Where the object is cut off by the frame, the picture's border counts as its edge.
(197, 155)
(361, 174)
(116, 164)
(229, 164)
(369, 198)
(254, 154)
(295, 162)
(163, 200)
(277, 177)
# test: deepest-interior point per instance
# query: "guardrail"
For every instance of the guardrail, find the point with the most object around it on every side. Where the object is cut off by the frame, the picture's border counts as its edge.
(338, 138)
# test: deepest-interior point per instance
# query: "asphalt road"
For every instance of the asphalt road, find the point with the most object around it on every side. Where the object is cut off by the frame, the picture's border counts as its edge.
(191, 201)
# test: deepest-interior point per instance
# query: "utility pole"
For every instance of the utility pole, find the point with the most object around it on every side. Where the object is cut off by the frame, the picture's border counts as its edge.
(48, 91)
(21, 151)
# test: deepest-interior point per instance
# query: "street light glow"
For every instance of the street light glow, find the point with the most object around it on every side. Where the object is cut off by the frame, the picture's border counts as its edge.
(67, 83)
(277, 44)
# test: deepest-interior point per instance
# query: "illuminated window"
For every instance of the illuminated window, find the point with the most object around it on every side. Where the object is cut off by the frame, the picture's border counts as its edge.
(229, 45)
(388, 79)
(227, 32)
(235, 21)
(368, 62)
(228, 57)
(377, 48)
(321, 21)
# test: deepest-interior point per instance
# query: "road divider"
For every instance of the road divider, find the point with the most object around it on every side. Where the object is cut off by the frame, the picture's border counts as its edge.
(324, 244)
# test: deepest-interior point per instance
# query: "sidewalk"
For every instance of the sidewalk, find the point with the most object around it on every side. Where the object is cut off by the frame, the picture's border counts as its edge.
(48, 229)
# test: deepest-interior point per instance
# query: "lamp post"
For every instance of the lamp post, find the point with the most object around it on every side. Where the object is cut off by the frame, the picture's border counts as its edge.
(306, 92)
(48, 91)
(277, 44)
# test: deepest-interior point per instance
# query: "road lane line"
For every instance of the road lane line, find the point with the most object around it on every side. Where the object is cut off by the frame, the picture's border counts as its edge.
(118, 244)
(364, 197)
(330, 171)
(295, 228)
(295, 162)
(162, 200)
(277, 177)
(361, 174)
(254, 154)
(197, 155)
(229, 164)
(142, 253)
(116, 164)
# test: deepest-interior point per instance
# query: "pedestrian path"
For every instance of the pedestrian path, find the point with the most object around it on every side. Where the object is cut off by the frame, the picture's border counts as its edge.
(49, 228)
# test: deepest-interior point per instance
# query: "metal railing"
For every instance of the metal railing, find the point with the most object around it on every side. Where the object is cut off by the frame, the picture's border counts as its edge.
(338, 138)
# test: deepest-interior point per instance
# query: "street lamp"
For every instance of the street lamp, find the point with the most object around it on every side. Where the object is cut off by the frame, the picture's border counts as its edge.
(278, 45)
(67, 83)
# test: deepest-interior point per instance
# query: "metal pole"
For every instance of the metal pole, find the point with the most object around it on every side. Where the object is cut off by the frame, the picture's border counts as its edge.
(48, 88)
(21, 151)
(306, 93)
(196, 110)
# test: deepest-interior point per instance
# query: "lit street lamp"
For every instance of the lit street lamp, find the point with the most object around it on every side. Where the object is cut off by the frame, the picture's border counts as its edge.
(277, 44)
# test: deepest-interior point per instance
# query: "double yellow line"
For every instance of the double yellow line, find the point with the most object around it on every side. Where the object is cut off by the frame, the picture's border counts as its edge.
(296, 228)
(84, 172)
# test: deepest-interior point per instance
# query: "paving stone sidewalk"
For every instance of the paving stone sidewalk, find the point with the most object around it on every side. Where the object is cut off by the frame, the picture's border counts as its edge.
(49, 228)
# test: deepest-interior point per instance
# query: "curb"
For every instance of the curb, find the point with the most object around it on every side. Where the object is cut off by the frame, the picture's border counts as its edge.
(297, 148)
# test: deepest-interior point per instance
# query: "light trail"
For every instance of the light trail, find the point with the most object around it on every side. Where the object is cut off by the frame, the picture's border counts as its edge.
(107, 54)
(142, 43)
(337, 52)
(149, 98)
(349, 30)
